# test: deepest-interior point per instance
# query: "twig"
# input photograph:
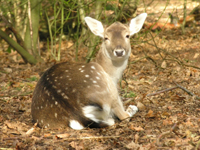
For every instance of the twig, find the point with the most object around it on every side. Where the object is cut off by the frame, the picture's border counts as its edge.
(129, 100)
(172, 88)
(164, 133)
(162, 91)
(175, 58)
(30, 131)
(92, 137)
(184, 89)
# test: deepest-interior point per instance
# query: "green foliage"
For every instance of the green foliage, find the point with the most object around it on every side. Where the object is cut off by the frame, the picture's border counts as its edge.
(21, 18)
(9, 49)
(130, 95)
(33, 78)
(127, 93)
(59, 20)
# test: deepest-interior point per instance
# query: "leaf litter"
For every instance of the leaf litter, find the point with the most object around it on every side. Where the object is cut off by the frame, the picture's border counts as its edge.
(168, 117)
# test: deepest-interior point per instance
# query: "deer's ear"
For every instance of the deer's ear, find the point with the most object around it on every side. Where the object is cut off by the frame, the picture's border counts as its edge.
(95, 26)
(137, 23)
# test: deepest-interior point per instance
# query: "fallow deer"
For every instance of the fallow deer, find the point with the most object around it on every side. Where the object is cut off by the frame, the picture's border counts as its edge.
(83, 95)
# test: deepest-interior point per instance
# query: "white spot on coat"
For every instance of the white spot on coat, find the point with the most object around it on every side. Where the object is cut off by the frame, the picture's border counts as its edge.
(93, 67)
(98, 73)
(87, 76)
(66, 97)
(97, 78)
(74, 90)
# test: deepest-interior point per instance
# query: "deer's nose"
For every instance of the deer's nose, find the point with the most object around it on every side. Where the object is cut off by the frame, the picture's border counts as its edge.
(119, 53)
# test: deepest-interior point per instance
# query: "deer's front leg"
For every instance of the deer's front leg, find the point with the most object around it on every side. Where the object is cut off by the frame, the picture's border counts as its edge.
(119, 111)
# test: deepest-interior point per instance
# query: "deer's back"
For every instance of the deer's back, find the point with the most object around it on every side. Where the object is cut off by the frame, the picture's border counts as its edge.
(64, 90)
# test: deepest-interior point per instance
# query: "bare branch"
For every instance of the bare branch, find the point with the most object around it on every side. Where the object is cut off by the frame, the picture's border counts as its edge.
(184, 89)
(165, 133)
(162, 91)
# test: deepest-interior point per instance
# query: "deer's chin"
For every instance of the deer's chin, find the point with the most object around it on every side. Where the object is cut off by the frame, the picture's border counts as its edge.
(119, 58)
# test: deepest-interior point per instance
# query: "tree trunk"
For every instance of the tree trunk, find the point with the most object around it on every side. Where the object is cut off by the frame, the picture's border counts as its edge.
(31, 35)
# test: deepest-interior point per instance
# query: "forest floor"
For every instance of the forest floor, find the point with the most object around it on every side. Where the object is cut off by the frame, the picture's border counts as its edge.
(162, 79)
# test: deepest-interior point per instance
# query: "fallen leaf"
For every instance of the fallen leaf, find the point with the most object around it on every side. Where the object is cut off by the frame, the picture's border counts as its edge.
(76, 145)
(196, 55)
(136, 138)
(132, 145)
(164, 65)
(8, 70)
(136, 128)
(65, 135)
(150, 114)
(167, 122)
(165, 114)
(141, 106)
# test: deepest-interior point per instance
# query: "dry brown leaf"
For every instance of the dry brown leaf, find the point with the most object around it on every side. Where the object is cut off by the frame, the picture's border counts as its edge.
(150, 114)
(141, 106)
(65, 135)
(136, 138)
(165, 114)
(167, 122)
(132, 145)
(76, 145)
(47, 135)
(164, 65)
(136, 128)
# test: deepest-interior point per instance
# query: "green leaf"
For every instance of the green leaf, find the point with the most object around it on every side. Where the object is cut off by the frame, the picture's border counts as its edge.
(9, 49)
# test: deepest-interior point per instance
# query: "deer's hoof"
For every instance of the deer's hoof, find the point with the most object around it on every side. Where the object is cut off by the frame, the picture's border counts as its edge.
(132, 109)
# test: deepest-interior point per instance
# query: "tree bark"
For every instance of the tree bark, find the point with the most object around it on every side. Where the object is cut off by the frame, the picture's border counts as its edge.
(25, 55)
(31, 35)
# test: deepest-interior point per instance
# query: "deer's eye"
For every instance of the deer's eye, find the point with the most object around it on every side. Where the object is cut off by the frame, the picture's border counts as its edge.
(105, 38)
(127, 36)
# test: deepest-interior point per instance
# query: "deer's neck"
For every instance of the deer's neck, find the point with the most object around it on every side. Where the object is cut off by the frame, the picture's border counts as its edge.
(113, 68)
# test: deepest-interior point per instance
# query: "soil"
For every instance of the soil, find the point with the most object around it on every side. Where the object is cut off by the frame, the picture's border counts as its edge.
(162, 79)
